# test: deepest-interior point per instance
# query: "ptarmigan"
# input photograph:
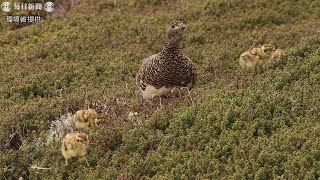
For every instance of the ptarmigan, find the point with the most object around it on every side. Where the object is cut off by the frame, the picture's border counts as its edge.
(86, 119)
(74, 145)
(256, 57)
(168, 72)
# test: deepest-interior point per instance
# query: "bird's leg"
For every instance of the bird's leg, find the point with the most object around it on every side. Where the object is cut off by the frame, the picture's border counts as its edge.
(160, 102)
(181, 89)
(161, 107)
(66, 162)
(189, 94)
(86, 161)
(143, 100)
(180, 92)
(173, 91)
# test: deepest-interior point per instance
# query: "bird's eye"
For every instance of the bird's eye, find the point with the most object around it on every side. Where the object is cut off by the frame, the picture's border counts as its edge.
(172, 26)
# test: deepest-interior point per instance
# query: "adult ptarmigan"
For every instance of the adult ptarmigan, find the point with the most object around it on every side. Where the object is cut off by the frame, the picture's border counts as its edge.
(168, 72)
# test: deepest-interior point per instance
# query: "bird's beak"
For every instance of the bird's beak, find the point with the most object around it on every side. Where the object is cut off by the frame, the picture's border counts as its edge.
(97, 121)
(84, 136)
(183, 27)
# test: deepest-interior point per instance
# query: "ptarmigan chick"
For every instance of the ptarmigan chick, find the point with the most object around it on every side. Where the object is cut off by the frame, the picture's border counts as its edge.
(168, 72)
(74, 145)
(86, 119)
(256, 57)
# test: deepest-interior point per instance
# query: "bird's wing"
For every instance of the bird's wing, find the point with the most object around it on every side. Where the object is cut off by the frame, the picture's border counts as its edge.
(145, 67)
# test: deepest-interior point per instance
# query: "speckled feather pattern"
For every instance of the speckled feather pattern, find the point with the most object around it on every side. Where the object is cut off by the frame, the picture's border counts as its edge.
(169, 68)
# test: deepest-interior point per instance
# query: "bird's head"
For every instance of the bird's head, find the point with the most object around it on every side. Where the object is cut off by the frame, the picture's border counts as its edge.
(82, 138)
(97, 121)
(175, 30)
(268, 49)
(90, 115)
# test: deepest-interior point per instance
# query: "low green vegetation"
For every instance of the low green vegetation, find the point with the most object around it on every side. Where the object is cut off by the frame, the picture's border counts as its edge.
(235, 125)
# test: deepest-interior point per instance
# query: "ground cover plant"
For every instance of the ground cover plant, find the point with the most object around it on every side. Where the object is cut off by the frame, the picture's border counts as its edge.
(235, 124)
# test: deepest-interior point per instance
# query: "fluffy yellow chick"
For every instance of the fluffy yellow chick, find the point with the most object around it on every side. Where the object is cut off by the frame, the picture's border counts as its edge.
(265, 52)
(74, 145)
(86, 119)
(256, 57)
(249, 59)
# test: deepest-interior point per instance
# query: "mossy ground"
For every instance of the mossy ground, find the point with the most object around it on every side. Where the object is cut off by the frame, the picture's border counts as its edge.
(238, 124)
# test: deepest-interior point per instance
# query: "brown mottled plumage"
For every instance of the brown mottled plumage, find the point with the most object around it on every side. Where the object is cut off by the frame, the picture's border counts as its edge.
(168, 71)
(256, 57)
